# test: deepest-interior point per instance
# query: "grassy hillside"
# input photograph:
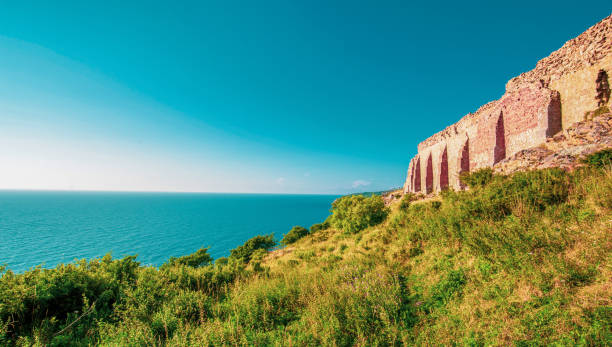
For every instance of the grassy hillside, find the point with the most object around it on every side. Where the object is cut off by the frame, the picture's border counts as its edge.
(519, 260)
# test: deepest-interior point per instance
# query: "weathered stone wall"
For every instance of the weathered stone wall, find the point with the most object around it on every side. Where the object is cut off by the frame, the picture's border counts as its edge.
(577, 91)
(572, 71)
(537, 105)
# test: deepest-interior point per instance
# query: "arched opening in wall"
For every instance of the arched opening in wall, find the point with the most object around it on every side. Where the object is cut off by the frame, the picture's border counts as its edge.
(444, 169)
(429, 175)
(417, 176)
(410, 178)
(554, 115)
(464, 160)
(499, 152)
(602, 88)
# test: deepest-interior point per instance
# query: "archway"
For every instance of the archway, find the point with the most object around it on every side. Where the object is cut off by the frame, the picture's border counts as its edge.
(429, 175)
(444, 169)
(464, 160)
(499, 152)
(602, 87)
(416, 177)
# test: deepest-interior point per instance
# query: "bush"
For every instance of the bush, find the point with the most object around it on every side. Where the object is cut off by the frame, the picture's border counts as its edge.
(600, 159)
(197, 259)
(319, 226)
(357, 212)
(500, 195)
(477, 178)
(406, 200)
(221, 261)
(296, 233)
(164, 324)
(539, 189)
(243, 253)
(43, 302)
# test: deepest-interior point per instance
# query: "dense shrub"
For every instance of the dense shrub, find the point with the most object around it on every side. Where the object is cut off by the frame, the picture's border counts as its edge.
(197, 259)
(476, 178)
(243, 253)
(357, 212)
(319, 226)
(501, 195)
(44, 302)
(296, 233)
(600, 159)
(407, 199)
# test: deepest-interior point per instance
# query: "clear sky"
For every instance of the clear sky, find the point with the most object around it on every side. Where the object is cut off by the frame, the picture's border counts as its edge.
(252, 96)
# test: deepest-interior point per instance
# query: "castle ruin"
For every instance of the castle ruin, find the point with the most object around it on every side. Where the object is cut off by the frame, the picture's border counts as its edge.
(562, 89)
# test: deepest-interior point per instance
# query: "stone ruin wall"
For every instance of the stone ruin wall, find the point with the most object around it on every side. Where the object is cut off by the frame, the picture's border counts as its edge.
(537, 104)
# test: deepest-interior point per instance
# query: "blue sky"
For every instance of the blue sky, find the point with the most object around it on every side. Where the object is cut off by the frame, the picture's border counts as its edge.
(245, 96)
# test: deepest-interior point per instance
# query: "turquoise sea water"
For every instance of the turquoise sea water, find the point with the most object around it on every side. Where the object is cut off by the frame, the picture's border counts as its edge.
(56, 227)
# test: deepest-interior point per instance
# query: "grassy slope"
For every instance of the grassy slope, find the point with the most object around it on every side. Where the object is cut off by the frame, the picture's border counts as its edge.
(538, 273)
(459, 271)
(523, 260)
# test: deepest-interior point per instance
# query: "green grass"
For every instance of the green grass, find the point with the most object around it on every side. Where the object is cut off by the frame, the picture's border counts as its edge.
(515, 260)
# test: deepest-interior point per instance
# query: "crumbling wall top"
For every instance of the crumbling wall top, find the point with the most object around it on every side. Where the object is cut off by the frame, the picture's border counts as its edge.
(585, 50)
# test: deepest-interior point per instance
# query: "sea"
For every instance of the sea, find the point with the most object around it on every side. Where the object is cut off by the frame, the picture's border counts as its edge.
(45, 228)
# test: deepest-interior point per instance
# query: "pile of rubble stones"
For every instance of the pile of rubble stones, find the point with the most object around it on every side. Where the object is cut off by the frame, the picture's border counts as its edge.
(565, 150)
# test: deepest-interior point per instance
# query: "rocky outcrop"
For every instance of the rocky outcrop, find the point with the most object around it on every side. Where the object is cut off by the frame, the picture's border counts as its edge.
(565, 150)
(559, 92)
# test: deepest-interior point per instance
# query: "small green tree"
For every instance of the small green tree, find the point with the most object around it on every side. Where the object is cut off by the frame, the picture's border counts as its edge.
(245, 252)
(356, 212)
(197, 259)
(296, 233)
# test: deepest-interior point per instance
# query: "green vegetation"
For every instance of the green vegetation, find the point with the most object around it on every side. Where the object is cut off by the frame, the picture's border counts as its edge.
(197, 259)
(477, 178)
(296, 233)
(319, 226)
(517, 260)
(356, 212)
(600, 159)
(245, 252)
(407, 199)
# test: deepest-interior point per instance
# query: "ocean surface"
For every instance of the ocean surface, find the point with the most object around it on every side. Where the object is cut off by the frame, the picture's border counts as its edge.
(47, 228)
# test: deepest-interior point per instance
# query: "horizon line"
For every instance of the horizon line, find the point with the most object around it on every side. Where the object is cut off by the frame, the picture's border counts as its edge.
(156, 191)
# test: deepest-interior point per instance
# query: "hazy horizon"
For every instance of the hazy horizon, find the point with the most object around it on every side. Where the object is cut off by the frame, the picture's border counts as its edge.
(161, 192)
(230, 97)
